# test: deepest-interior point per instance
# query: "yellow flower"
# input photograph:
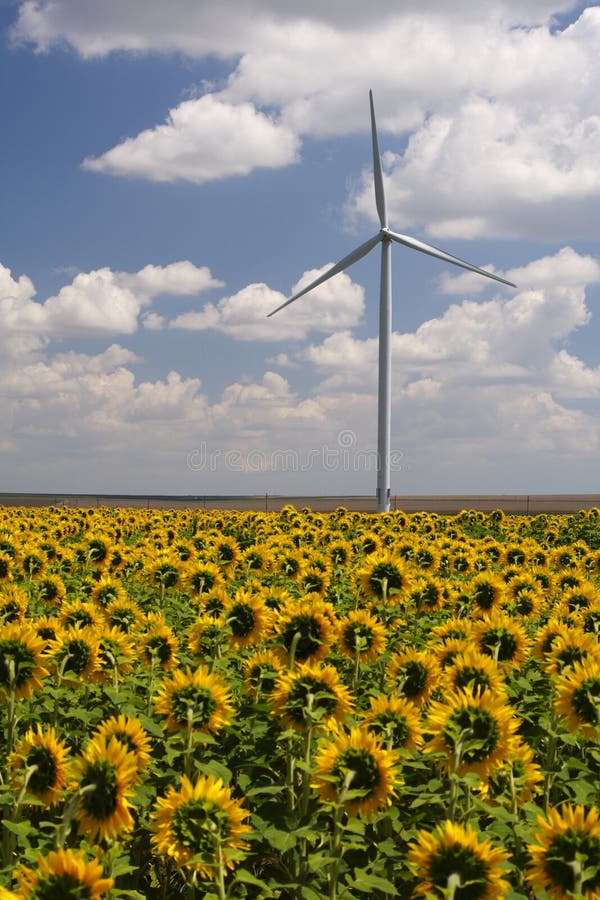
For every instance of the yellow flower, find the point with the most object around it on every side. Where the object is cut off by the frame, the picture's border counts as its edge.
(472, 731)
(67, 874)
(306, 628)
(354, 769)
(201, 694)
(47, 758)
(104, 775)
(453, 856)
(474, 671)
(413, 674)
(564, 861)
(578, 697)
(310, 694)
(248, 619)
(361, 634)
(396, 721)
(129, 732)
(384, 575)
(199, 820)
(21, 658)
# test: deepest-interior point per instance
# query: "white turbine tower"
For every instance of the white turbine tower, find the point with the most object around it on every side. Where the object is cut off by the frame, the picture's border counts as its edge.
(385, 237)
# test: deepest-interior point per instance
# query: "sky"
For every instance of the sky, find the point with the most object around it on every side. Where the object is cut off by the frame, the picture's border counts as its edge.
(172, 172)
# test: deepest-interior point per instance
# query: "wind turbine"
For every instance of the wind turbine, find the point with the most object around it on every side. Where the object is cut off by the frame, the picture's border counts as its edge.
(385, 237)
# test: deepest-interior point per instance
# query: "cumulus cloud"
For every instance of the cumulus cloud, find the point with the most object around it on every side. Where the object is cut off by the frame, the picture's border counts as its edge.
(337, 304)
(479, 387)
(100, 302)
(227, 27)
(202, 140)
(498, 103)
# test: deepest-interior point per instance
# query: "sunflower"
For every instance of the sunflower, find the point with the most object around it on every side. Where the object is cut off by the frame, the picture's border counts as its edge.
(107, 591)
(225, 552)
(447, 651)
(21, 658)
(78, 613)
(520, 769)
(159, 646)
(564, 861)
(354, 769)
(201, 694)
(48, 628)
(255, 560)
(13, 604)
(123, 614)
(500, 636)
(413, 674)
(571, 647)
(546, 635)
(427, 593)
(474, 671)
(103, 778)
(578, 697)
(76, 651)
(203, 577)
(472, 731)
(578, 598)
(396, 721)
(383, 576)
(310, 694)
(260, 671)
(361, 634)
(45, 759)
(193, 823)
(33, 561)
(275, 598)
(115, 655)
(306, 627)
(67, 874)
(454, 857)
(129, 732)
(248, 619)
(461, 629)
(206, 636)
(6, 562)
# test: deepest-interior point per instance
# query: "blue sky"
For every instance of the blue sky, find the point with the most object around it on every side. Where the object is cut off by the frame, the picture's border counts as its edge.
(171, 171)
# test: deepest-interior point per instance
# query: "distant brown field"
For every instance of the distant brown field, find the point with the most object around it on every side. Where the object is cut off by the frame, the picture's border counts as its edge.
(525, 504)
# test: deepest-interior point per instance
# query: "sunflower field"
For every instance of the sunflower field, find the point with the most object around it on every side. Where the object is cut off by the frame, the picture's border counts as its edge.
(299, 705)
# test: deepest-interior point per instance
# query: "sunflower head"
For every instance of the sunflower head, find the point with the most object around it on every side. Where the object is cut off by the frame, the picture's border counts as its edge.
(193, 823)
(453, 857)
(311, 694)
(565, 857)
(354, 769)
(21, 660)
(42, 760)
(65, 874)
(197, 697)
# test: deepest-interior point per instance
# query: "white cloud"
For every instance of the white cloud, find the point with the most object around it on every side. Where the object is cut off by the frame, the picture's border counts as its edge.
(202, 140)
(101, 302)
(481, 387)
(339, 303)
(229, 27)
(500, 106)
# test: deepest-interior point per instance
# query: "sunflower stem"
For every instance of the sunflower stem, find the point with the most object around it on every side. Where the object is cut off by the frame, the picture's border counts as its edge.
(189, 743)
(336, 839)
(550, 761)
(293, 648)
(451, 885)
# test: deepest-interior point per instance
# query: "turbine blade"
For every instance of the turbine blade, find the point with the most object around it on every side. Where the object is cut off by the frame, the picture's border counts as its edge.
(441, 254)
(377, 173)
(338, 267)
